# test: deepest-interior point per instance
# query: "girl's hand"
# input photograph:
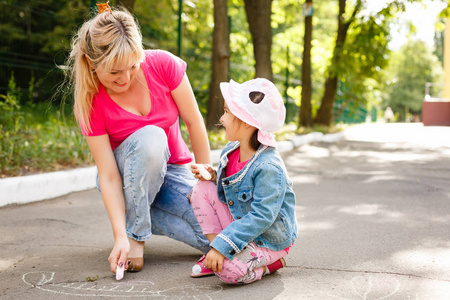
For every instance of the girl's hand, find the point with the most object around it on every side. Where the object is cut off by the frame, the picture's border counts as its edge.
(119, 254)
(203, 172)
(214, 260)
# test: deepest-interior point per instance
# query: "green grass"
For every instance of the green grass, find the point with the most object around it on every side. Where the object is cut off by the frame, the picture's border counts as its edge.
(40, 139)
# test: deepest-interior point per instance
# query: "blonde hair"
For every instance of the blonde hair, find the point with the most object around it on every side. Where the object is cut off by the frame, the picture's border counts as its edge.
(109, 39)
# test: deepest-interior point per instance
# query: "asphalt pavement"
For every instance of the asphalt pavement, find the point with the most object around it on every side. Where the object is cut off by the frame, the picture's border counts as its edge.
(373, 211)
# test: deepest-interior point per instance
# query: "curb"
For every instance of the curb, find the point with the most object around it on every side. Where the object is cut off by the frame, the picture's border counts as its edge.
(32, 188)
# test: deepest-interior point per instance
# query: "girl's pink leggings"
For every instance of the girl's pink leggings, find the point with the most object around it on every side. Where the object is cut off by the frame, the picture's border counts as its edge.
(213, 216)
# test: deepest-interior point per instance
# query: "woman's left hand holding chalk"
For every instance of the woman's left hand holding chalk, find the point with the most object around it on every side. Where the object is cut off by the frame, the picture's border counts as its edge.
(120, 271)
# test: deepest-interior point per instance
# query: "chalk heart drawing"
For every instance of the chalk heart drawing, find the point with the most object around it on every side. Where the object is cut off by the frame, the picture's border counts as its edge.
(365, 288)
(137, 289)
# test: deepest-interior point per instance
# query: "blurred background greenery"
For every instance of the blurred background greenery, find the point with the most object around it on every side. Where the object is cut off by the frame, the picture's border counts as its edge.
(38, 132)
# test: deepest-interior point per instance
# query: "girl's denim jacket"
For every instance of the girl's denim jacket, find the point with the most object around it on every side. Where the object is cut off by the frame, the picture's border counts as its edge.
(261, 201)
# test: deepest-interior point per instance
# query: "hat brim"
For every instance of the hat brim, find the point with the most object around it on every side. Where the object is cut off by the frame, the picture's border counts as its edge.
(227, 92)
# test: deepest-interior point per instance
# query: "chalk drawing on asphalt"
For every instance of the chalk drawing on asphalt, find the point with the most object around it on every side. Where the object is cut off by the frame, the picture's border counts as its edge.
(364, 289)
(136, 289)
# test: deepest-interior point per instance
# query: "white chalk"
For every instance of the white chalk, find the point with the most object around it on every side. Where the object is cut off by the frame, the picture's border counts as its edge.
(119, 272)
(204, 172)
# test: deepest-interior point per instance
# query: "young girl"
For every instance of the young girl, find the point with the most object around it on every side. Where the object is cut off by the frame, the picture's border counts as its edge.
(127, 101)
(249, 217)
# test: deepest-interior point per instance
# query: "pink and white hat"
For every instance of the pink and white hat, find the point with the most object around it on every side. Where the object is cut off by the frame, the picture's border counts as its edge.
(268, 114)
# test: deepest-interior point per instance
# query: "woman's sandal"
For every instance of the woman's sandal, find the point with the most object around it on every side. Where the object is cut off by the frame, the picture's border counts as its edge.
(135, 264)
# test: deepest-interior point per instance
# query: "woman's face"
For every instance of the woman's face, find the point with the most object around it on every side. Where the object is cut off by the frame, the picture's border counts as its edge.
(118, 79)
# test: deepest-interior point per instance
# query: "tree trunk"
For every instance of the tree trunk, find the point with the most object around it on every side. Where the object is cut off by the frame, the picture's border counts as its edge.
(305, 114)
(259, 14)
(324, 115)
(220, 61)
(128, 4)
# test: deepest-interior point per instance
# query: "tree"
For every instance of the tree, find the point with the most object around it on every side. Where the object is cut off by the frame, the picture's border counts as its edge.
(360, 52)
(34, 36)
(220, 61)
(412, 66)
(305, 113)
(324, 115)
(128, 4)
(259, 20)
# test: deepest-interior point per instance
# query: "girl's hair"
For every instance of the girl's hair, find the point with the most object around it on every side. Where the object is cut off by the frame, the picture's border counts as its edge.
(254, 143)
(110, 39)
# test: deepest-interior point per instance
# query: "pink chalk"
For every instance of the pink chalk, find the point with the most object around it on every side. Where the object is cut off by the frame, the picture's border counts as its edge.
(119, 272)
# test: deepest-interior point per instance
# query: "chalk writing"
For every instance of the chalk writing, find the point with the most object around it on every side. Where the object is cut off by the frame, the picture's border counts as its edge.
(137, 289)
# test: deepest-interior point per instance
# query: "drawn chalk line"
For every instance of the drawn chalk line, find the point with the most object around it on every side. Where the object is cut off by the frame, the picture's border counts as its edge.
(368, 272)
(44, 281)
(365, 296)
(189, 291)
(369, 288)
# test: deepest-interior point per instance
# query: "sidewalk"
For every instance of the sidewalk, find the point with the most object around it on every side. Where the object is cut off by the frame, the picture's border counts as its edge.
(373, 211)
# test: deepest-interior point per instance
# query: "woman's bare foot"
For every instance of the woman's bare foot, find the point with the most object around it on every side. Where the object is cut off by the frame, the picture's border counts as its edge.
(136, 256)
(136, 248)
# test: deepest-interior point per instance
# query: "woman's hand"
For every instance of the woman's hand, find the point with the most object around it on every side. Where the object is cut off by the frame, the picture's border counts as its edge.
(214, 260)
(119, 254)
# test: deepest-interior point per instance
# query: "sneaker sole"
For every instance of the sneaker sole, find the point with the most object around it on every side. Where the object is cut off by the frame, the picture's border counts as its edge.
(202, 275)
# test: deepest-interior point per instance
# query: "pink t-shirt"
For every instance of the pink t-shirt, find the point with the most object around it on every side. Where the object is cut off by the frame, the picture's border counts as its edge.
(163, 72)
(234, 165)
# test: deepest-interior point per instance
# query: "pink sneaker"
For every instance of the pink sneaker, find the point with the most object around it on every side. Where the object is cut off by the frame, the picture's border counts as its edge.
(276, 265)
(199, 269)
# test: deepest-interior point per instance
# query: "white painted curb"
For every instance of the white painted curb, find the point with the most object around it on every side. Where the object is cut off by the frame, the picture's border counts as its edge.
(26, 189)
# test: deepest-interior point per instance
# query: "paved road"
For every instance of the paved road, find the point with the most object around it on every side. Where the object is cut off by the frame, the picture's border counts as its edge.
(374, 215)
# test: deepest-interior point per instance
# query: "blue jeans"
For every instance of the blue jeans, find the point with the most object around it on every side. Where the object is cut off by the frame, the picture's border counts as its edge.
(156, 192)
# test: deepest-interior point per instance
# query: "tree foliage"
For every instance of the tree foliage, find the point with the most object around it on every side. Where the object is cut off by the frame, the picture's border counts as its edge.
(411, 68)
(36, 39)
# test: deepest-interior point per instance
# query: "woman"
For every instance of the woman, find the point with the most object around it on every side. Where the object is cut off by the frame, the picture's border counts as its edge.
(127, 101)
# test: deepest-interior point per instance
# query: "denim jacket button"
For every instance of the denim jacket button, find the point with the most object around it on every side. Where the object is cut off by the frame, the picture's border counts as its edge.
(232, 252)
(244, 196)
(238, 218)
(227, 182)
(230, 203)
(260, 243)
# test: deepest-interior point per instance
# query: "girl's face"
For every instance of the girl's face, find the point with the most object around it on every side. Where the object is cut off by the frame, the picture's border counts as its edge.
(118, 79)
(231, 124)
(234, 128)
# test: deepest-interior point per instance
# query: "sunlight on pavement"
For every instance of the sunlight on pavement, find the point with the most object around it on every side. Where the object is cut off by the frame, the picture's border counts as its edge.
(316, 152)
(410, 133)
(311, 226)
(309, 179)
(6, 264)
(361, 209)
(370, 210)
(424, 260)
(386, 177)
